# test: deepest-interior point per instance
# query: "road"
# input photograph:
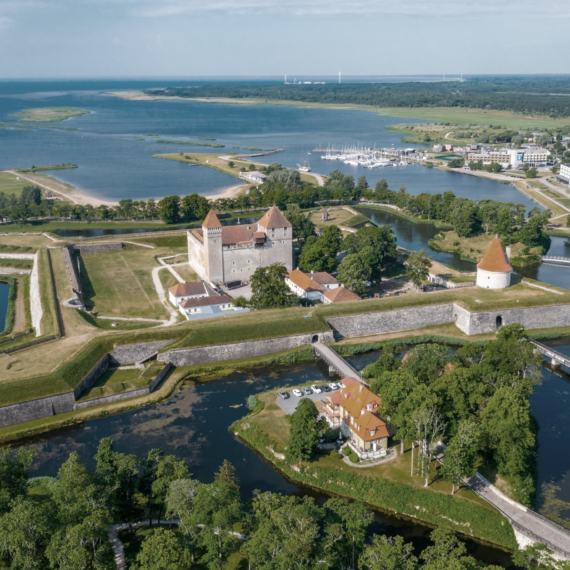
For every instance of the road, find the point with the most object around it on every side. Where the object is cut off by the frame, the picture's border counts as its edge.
(337, 362)
(162, 296)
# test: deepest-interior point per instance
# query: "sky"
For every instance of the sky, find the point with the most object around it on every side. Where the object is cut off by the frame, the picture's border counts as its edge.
(186, 38)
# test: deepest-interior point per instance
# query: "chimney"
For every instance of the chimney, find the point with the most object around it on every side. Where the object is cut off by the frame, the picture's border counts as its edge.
(508, 253)
(361, 387)
(369, 407)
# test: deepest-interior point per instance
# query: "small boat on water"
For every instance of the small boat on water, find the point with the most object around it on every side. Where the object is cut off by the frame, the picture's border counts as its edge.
(304, 166)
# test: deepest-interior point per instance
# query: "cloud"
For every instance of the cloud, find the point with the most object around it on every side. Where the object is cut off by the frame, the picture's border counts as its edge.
(153, 8)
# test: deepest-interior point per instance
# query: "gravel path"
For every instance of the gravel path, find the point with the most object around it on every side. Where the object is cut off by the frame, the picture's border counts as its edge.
(162, 296)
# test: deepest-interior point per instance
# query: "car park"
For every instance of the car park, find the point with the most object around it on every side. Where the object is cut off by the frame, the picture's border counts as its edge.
(307, 391)
(316, 389)
(297, 392)
(284, 395)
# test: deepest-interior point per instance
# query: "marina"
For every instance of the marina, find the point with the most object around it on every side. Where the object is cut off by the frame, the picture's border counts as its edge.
(372, 157)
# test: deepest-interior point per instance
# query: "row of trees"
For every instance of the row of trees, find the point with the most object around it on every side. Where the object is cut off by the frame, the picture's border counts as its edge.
(477, 399)
(68, 528)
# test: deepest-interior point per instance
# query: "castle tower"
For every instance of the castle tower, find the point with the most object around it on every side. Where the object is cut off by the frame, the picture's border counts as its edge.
(494, 270)
(212, 231)
(279, 232)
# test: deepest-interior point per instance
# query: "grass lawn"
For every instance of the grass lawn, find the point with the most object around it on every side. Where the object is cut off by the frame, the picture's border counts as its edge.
(11, 184)
(186, 272)
(119, 283)
(274, 422)
(474, 246)
(132, 543)
(19, 263)
(167, 279)
(49, 114)
(337, 217)
(539, 197)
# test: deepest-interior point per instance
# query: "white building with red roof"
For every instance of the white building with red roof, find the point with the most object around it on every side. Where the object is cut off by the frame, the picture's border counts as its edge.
(318, 286)
(221, 254)
(494, 270)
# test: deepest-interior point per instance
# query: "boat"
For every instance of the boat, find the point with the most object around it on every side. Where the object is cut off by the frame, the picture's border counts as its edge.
(304, 167)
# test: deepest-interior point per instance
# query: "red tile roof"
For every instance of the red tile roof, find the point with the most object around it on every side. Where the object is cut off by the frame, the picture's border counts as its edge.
(231, 235)
(186, 289)
(305, 281)
(324, 278)
(495, 259)
(211, 221)
(341, 294)
(274, 218)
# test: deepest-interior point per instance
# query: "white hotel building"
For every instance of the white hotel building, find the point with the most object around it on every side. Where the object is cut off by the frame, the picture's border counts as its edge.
(513, 158)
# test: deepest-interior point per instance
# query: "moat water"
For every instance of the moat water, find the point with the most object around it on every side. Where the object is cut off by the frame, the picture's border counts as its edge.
(4, 294)
(113, 147)
(193, 424)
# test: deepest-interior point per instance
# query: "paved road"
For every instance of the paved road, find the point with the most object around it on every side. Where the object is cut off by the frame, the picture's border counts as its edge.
(339, 363)
(542, 529)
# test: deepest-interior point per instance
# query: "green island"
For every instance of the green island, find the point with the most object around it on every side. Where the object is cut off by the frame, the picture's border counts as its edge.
(49, 114)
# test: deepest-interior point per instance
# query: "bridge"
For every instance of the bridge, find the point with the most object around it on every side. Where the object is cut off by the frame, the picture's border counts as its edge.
(557, 358)
(336, 363)
(556, 260)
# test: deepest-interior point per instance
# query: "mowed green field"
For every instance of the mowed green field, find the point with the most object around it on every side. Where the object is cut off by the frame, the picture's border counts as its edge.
(119, 283)
(10, 184)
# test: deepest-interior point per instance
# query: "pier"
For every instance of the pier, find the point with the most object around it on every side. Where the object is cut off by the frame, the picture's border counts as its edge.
(336, 363)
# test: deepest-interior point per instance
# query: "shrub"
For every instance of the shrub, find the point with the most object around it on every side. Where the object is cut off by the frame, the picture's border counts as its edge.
(353, 457)
(251, 402)
(456, 243)
(346, 451)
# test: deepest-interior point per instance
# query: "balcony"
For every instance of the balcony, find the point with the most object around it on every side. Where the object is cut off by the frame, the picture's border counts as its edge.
(367, 455)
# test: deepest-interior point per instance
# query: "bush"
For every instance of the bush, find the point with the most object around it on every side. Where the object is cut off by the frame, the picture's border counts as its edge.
(456, 243)
(346, 451)
(353, 457)
(251, 402)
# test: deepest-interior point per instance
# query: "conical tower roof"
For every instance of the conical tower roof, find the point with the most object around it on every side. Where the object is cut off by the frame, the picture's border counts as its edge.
(211, 221)
(495, 259)
(274, 218)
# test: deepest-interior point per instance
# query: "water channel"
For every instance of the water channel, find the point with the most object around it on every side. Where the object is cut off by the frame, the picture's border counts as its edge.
(4, 295)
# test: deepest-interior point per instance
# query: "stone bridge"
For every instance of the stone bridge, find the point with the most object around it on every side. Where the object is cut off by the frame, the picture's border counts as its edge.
(336, 363)
(556, 260)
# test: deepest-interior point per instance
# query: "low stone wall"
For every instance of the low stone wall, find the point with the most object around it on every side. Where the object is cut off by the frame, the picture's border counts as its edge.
(132, 353)
(97, 247)
(36, 409)
(14, 270)
(240, 350)
(391, 321)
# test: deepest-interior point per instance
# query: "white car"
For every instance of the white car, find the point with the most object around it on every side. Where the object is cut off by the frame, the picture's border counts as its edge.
(334, 386)
(297, 392)
(316, 389)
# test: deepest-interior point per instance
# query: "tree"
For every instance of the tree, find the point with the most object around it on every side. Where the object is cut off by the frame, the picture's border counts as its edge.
(168, 209)
(217, 506)
(461, 454)
(388, 554)
(150, 469)
(231, 163)
(14, 475)
(347, 522)
(531, 172)
(353, 273)
(162, 550)
(194, 207)
(180, 505)
(305, 431)
(466, 218)
(168, 469)
(303, 227)
(568, 221)
(535, 556)
(269, 290)
(447, 553)
(31, 195)
(417, 266)
(25, 532)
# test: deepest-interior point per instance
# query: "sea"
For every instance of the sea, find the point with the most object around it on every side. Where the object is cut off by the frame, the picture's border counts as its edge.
(113, 146)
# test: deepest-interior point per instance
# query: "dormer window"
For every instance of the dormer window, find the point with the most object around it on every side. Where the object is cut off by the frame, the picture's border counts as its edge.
(372, 432)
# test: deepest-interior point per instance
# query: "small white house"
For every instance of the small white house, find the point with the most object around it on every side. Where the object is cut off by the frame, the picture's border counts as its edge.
(209, 306)
(253, 176)
(189, 290)
(494, 270)
(319, 286)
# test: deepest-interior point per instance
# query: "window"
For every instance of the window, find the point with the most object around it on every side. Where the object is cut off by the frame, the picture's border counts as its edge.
(372, 432)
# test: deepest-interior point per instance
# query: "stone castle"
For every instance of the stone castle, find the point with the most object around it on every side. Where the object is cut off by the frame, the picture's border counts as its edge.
(221, 254)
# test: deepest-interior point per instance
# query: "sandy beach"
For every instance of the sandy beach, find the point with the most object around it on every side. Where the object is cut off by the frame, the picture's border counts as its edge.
(66, 191)
(231, 192)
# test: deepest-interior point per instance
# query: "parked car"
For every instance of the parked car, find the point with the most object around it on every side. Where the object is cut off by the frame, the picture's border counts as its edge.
(316, 389)
(283, 394)
(297, 392)
(325, 388)
(334, 386)
(307, 391)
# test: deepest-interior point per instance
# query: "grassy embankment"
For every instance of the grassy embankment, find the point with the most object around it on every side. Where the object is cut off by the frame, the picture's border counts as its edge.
(341, 216)
(49, 114)
(473, 247)
(33, 169)
(401, 214)
(388, 486)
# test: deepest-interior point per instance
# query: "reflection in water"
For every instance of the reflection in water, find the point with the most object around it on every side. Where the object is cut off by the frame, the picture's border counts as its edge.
(193, 424)
(416, 236)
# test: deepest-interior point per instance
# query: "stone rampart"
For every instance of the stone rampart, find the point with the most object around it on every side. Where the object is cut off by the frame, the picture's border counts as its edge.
(97, 247)
(240, 350)
(391, 321)
(36, 409)
(97, 371)
(132, 353)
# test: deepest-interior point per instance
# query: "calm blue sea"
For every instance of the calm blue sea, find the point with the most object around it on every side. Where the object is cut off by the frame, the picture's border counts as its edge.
(115, 164)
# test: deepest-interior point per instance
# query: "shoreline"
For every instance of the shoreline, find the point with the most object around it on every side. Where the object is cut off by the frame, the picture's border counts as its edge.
(229, 192)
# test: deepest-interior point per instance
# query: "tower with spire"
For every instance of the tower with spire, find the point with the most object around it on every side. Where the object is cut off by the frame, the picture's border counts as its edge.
(494, 270)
